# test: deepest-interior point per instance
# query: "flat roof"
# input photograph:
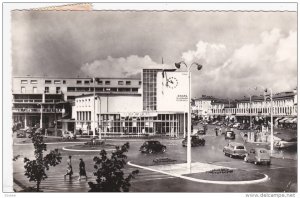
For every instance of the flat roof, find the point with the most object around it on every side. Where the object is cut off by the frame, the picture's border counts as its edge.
(81, 78)
(109, 94)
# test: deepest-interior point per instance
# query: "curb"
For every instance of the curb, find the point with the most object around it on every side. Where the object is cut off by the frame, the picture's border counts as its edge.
(75, 150)
(204, 181)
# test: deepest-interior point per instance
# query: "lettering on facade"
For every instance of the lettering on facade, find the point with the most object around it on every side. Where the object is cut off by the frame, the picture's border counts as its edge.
(138, 114)
(181, 97)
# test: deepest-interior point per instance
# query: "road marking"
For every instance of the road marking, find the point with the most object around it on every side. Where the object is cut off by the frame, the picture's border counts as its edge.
(201, 180)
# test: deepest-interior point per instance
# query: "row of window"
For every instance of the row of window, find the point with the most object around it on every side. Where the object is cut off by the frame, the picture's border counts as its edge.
(34, 90)
(107, 82)
(46, 81)
(78, 82)
(99, 89)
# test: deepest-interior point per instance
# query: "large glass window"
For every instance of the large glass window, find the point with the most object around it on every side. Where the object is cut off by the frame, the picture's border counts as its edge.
(24, 81)
(48, 81)
(149, 89)
(33, 82)
(120, 82)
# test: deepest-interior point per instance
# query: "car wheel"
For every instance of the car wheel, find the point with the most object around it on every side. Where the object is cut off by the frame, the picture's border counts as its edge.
(268, 163)
(163, 149)
(245, 159)
(150, 151)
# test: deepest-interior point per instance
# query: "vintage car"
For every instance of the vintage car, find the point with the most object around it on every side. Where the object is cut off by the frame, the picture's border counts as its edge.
(195, 141)
(21, 134)
(68, 135)
(152, 146)
(258, 156)
(229, 135)
(281, 144)
(234, 149)
(201, 132)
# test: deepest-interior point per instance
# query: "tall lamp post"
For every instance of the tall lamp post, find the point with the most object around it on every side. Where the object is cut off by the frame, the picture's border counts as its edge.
(99, 129)
(94, 101)
(271, 115)
(189, 155)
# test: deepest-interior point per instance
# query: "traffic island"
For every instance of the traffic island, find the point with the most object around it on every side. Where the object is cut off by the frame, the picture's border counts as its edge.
(225, 174)
(206, 173)
(93, 145)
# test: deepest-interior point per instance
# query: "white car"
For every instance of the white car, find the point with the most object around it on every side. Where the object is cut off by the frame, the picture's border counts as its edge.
(68, 135)
(284, 144)
(236, 125)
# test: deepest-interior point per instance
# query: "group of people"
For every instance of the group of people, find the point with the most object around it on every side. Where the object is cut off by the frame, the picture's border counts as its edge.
(69, 172)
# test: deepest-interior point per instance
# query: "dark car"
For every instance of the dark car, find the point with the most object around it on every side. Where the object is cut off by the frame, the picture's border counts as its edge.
(21, 134)
(195, 141)
(229, 135)
(152, 146)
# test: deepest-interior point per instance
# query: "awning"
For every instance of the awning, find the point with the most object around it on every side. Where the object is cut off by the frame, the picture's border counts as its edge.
(278, 119)
(283, 120)
(289, 120)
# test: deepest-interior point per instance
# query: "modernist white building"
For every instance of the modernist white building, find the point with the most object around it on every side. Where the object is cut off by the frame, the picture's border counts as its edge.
(160, 108)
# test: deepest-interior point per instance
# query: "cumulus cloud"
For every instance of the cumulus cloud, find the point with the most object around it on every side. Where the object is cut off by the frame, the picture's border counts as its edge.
(119, 67)
(272, 62)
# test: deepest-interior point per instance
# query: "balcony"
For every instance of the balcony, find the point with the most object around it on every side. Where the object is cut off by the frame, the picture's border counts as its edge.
(29, 101)
(35, 110)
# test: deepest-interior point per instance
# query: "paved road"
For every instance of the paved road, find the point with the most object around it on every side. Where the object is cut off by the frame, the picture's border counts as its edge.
(281, 172)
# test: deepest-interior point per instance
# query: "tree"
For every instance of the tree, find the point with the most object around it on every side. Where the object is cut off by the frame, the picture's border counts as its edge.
(35, 170)
(109, 173)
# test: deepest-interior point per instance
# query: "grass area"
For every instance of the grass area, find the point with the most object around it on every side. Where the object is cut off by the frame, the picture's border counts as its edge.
(235, 175)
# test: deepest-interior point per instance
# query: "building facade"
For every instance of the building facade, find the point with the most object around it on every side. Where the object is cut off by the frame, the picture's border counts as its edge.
(160, 109)
(41, 101)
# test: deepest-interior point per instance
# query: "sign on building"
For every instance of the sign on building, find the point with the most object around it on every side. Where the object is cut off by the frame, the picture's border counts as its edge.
(172, 91)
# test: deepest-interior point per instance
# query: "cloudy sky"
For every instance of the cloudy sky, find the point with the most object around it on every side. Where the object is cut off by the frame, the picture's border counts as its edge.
(238, 50)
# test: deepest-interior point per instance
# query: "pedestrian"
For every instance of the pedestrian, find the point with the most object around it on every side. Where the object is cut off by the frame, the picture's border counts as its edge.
(220, 130)
(216, 129)
(69, 168)
(82, 171)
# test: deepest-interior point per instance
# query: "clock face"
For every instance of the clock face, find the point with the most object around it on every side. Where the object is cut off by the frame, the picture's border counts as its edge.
(172, 82)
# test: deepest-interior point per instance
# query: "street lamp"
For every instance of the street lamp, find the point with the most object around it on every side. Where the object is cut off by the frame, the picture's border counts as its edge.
(199, 67)
(271, 115)
(94, 100)
(99, 129)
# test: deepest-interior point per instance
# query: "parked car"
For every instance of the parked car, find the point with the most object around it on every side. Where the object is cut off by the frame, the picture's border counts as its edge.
(21, 134)
(201, 132)
(229, 135)
(280, 144)
(152, 146)
(195, 141)
(68, 135)
(236, 125)
(234, 149)
(258, 156)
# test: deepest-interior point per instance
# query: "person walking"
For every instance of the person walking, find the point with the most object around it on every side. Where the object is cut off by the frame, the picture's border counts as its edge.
(82, 171)
(69, 168)
(216, 129)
